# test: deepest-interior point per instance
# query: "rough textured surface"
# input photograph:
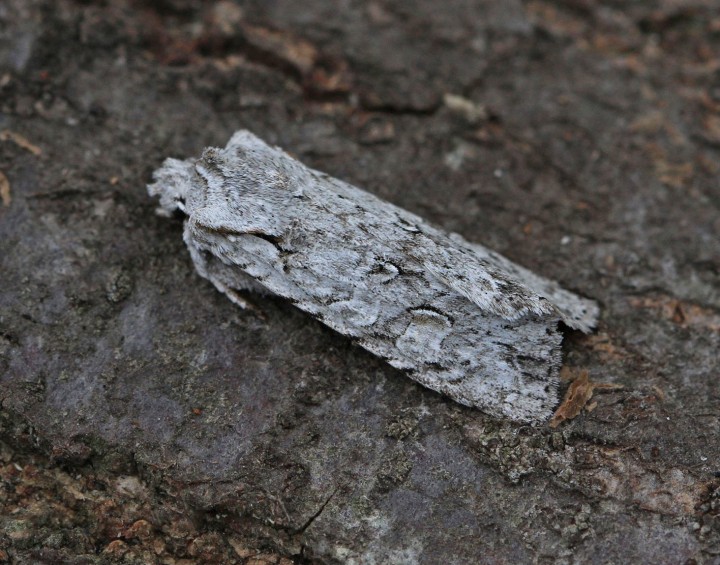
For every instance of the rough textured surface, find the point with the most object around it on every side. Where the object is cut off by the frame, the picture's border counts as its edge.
(580, 140)
(453, 315)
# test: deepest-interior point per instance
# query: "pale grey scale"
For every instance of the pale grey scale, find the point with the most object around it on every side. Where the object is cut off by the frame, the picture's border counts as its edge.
(577, 312)
(394, 320)
(469, 354)
(234, 258)
(459, 346)
(435, 252)
(319, 249)
(214, 268)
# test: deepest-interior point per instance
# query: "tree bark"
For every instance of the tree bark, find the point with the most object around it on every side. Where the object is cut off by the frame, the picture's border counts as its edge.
(579, 140)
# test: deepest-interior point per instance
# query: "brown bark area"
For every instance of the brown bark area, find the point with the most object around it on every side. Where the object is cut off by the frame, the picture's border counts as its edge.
(580, 139)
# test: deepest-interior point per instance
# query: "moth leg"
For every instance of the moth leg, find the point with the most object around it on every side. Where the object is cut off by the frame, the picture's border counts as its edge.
(228, 280)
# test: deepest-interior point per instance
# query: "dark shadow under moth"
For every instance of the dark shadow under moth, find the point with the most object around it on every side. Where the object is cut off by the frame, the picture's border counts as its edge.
(455, 316)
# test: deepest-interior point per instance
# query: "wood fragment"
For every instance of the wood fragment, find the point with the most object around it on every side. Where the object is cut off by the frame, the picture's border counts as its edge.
(577, 397)
(5, 196)
(684, 314)
(20, 141)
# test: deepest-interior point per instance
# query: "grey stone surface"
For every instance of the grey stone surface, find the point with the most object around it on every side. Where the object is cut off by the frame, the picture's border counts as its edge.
(587, 149)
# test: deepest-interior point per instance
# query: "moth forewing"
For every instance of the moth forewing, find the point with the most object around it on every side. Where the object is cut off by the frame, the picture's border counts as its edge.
(457, 317)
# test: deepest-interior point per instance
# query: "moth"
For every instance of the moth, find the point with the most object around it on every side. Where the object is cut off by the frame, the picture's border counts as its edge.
(456, 317)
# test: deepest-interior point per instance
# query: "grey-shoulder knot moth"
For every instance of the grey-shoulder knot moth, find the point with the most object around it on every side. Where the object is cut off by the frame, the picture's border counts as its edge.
(455, 316)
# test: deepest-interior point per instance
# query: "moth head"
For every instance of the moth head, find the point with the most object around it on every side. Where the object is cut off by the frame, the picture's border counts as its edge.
(247, 187)
(250, 185)
(174, 182)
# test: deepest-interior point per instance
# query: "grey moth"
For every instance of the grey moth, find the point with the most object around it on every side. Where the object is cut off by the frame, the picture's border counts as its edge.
(454, 316)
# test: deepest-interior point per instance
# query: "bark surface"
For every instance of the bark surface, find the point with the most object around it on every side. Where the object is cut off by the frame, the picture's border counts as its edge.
(580, 140)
